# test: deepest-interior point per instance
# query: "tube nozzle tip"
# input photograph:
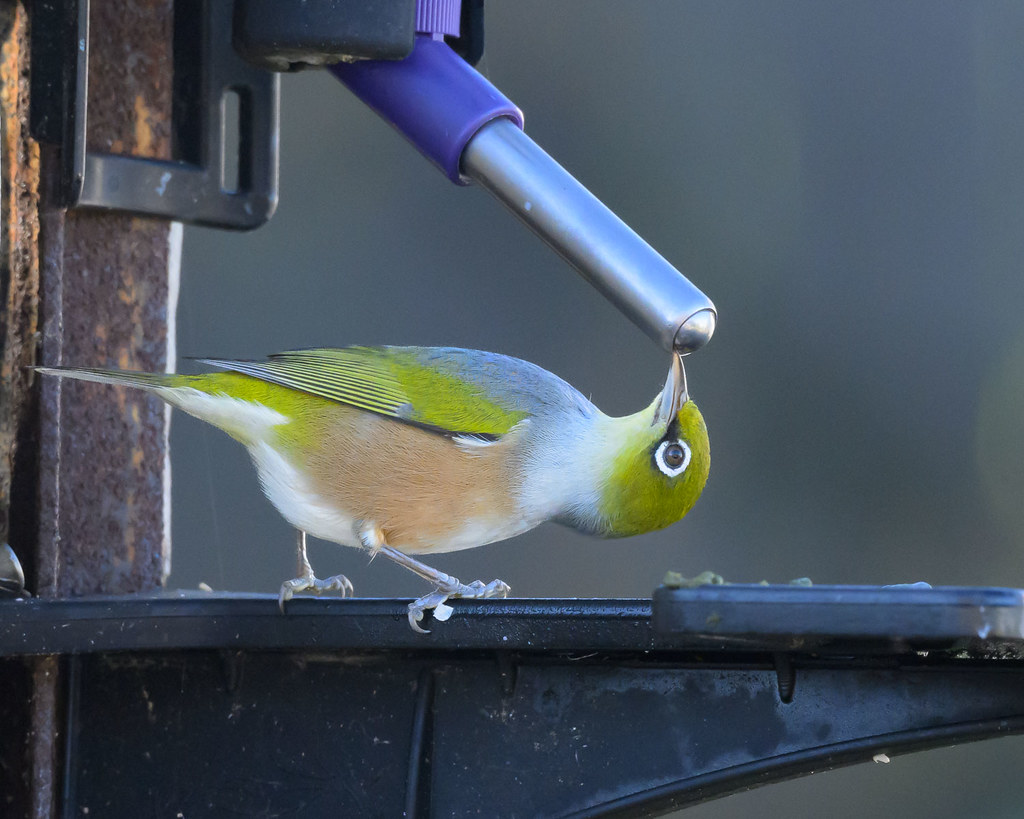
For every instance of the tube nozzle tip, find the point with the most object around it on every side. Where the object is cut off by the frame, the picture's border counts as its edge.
(695, 332)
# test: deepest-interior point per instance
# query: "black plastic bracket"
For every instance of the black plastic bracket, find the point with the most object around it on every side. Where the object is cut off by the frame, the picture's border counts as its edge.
(470, 43)
(207, 182)
(288, 35)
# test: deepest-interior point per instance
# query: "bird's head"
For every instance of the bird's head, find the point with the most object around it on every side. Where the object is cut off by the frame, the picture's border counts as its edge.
(660, 463)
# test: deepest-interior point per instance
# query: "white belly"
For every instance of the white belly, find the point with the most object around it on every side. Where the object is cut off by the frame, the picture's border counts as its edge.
(292, 496)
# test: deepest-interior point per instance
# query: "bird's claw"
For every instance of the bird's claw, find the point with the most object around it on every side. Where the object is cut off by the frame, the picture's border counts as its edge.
(337, 583)
(434, 600)
(437, 599)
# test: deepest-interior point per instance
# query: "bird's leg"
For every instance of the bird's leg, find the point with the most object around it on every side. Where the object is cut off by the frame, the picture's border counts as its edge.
(445, 586)
(307, 580)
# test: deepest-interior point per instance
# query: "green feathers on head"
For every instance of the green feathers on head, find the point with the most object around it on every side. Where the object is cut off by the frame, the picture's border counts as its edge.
(638, 496)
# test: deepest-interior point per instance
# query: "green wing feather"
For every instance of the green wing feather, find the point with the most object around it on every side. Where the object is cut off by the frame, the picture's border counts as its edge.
(399, 382)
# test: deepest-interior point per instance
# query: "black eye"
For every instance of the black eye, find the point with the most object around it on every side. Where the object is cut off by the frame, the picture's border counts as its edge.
(674, 456)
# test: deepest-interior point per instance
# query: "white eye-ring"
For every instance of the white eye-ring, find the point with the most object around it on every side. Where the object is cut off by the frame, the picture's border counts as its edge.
(672, 457)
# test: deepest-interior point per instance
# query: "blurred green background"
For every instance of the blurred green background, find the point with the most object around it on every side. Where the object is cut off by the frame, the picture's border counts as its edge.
(845, 180)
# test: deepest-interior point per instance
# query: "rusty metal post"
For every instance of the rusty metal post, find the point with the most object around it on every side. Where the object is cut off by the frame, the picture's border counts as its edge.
(108, 299)
(84, 481)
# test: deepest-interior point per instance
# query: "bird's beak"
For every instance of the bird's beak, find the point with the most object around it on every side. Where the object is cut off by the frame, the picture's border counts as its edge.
(674, 394)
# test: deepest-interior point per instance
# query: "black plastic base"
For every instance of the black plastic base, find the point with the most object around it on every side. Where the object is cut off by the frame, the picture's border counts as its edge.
(219, 705)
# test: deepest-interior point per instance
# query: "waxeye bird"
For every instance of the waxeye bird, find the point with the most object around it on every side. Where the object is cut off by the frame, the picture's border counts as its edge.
(413, 450)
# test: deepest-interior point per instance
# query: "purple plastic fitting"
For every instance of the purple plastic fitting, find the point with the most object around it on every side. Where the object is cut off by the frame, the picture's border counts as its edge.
(438, 17)
(433, 97)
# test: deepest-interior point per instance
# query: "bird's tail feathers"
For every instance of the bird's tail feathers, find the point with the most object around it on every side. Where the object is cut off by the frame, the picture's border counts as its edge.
(207, 396)
(124, 378)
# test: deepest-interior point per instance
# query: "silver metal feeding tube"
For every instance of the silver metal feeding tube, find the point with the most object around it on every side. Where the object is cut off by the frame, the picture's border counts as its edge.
(604, 249)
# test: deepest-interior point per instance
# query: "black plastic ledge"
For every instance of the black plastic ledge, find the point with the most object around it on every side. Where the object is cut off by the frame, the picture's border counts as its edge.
(214, 705)
(737, 618)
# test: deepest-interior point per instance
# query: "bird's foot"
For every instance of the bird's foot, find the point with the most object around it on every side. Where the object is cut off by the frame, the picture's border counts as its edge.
(309, 582)
(447, 588)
